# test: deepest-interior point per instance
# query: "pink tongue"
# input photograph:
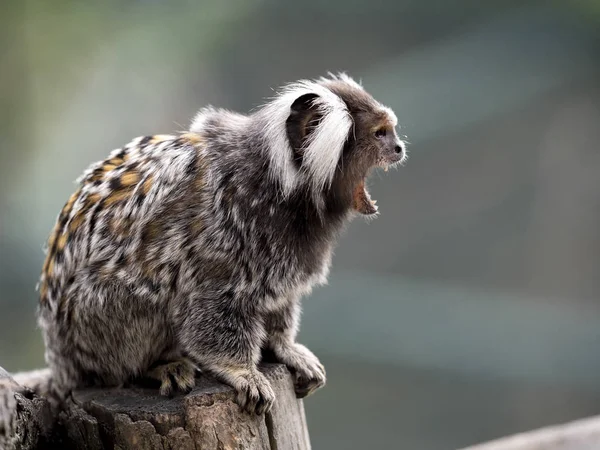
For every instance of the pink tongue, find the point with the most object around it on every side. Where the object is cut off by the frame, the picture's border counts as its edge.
(362, 203)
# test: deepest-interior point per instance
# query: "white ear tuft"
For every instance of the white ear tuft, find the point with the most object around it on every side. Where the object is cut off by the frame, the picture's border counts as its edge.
(324, 146)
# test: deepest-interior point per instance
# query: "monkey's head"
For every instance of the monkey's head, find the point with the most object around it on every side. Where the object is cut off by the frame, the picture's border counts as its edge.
(335, 134)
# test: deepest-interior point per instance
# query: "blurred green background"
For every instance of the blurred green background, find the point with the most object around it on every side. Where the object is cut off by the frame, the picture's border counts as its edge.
(470, 308)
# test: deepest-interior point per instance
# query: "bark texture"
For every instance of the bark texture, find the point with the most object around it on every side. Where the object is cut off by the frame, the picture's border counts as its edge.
(138, 418)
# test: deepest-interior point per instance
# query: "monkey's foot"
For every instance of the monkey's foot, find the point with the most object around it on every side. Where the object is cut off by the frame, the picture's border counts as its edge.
(174, 376)
(254, 393)
(309, 373)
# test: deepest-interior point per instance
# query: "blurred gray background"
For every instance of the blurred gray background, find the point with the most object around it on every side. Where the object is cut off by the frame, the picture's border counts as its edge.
(470, 308)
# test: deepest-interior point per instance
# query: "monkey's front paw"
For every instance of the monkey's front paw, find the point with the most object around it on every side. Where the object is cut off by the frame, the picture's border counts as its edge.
(174, 376)
(309, 373)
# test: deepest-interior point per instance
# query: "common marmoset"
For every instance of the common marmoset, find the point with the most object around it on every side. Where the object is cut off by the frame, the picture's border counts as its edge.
(193, 250)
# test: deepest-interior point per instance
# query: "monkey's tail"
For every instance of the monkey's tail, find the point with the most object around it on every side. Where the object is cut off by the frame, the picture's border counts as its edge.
(39, 381)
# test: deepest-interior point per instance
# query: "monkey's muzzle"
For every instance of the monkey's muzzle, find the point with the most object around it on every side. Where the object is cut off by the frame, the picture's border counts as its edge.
(362, 201)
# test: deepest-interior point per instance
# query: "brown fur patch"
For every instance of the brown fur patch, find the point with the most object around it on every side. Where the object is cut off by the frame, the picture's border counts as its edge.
(63, 305)
(108, 167)
(130, 178)
(50, 267)
(104, 273)
(116, 161)
(117, 196)
(96, 175)
(158, 138)
(121, 226)
(76, 221)
(147, 184)
(69, 205)
(194, 138)
(218, 270)
(52, 237)
(229, 193)
(200, 182)
(147, 269)
(93, 198)
(47, 263)
(43, 292)
(151, 232)
(196, 227)
(62, 241)
(79, 217)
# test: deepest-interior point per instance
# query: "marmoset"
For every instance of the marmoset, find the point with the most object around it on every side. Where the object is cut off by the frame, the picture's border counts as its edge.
(192, 251)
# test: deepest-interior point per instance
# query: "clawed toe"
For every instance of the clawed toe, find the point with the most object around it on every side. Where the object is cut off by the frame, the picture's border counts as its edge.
(309, 373)
(306, 386)
(256, 396)
(253, 391)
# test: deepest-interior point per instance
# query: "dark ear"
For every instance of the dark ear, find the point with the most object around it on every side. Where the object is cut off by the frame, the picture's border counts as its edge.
(303, 118)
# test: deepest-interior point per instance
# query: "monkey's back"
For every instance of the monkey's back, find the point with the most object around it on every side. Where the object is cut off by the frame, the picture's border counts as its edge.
(118, 225)
(114, 256)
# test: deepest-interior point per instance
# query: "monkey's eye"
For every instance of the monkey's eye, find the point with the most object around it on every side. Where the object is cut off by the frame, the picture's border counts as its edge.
(380, 133)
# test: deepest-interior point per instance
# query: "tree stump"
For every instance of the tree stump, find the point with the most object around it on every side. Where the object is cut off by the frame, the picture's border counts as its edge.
(138, 418)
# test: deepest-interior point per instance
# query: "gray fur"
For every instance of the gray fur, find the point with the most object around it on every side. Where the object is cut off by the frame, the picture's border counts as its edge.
(181, 249)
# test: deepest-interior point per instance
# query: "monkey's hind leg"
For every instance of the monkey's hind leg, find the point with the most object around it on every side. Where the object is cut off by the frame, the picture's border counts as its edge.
(174, 376)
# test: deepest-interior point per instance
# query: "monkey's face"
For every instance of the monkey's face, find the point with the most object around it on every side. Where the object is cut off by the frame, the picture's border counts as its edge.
(338, 136)
(373, 143)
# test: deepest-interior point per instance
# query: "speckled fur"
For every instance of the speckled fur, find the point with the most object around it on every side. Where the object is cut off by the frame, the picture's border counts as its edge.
(197, 246)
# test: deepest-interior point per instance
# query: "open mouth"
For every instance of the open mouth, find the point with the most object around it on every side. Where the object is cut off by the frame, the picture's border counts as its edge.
(362, 201)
